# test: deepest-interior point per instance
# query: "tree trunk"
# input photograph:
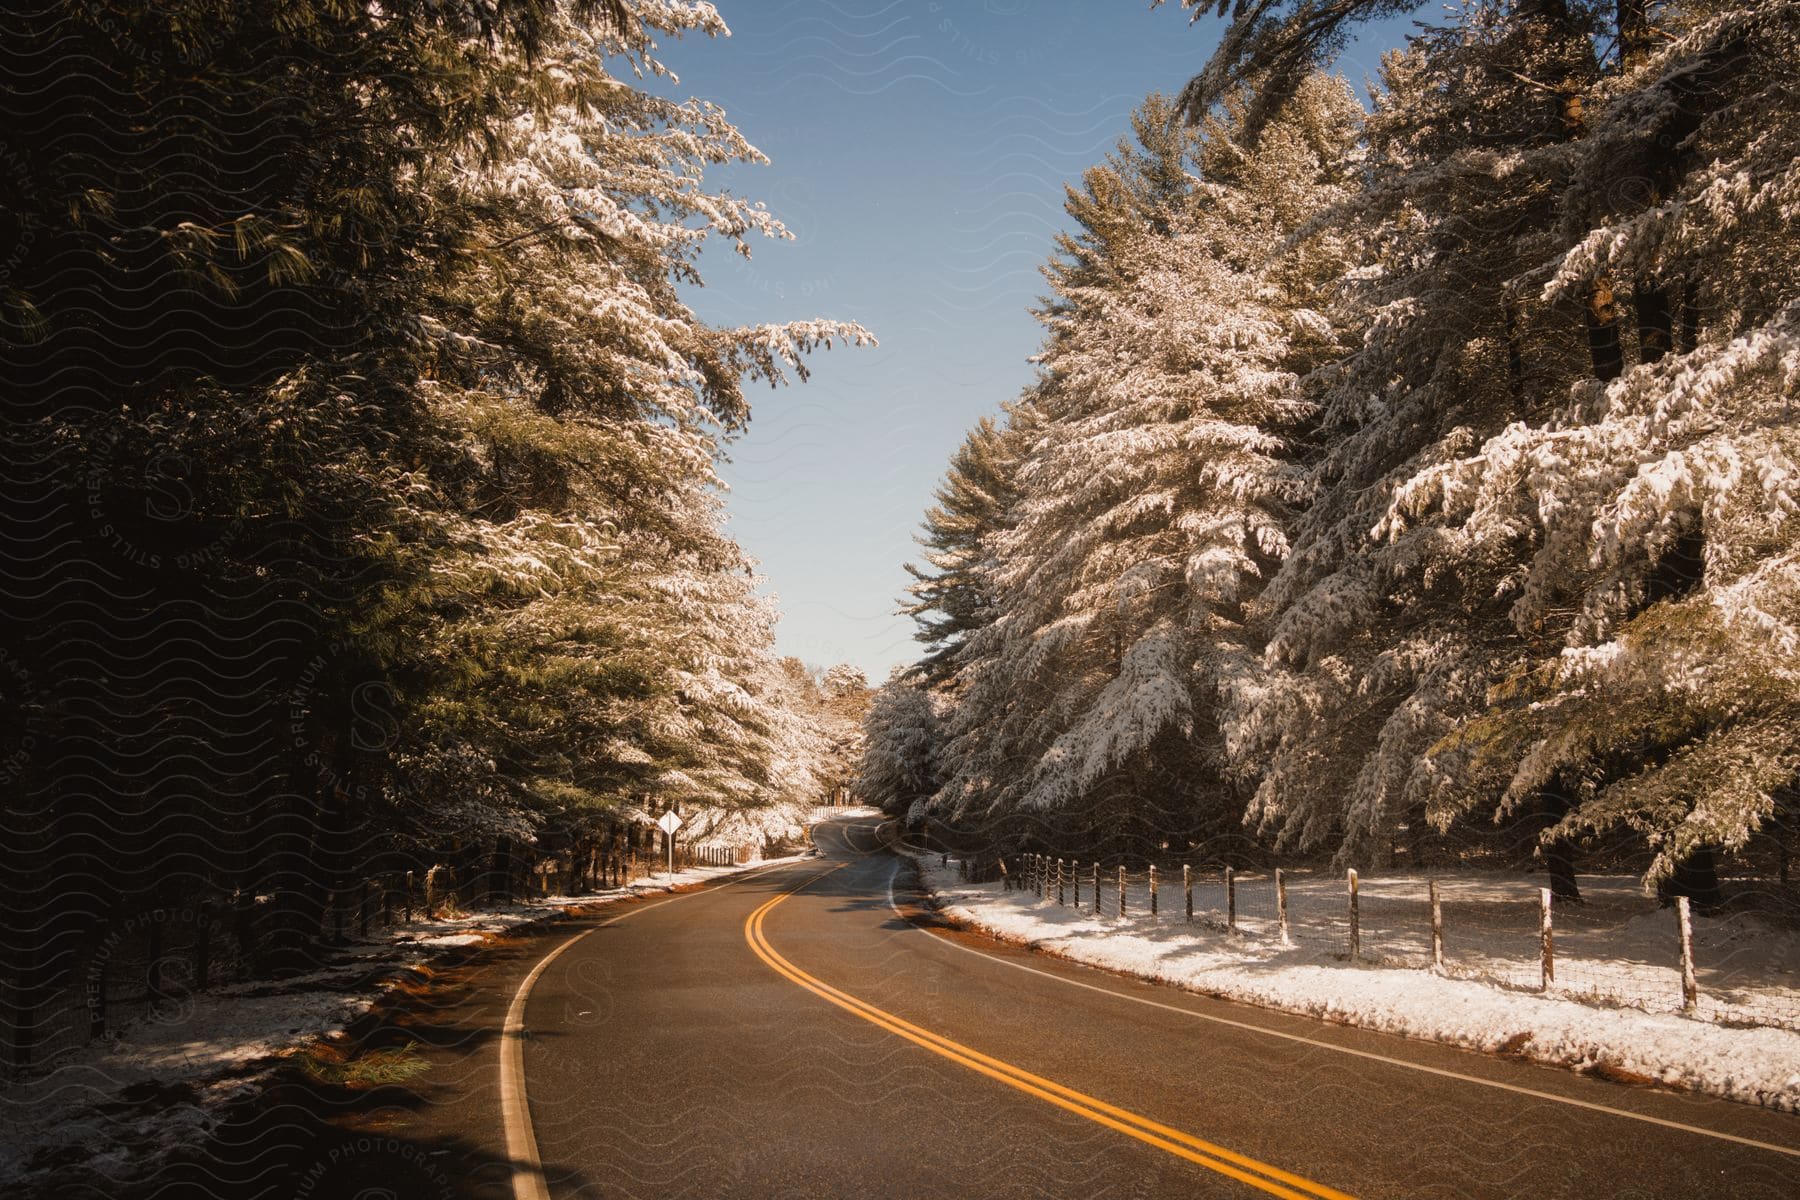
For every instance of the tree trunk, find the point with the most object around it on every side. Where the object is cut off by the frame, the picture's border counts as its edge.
(1559, 854)
(1559, 860)
(1604, 348)
(1697, 878)
(332, 854)
(1656, 323)
(1515, 352)
(294, 914)
(1571, 110)
(500, 881)
(1690, 318)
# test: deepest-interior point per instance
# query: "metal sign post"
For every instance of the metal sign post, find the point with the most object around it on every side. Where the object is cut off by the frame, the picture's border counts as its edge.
(669, 823)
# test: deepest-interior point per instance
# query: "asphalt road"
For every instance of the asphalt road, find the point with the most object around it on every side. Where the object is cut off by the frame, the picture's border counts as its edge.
(812, 1031)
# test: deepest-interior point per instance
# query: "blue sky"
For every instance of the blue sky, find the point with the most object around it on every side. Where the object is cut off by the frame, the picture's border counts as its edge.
(919, 150)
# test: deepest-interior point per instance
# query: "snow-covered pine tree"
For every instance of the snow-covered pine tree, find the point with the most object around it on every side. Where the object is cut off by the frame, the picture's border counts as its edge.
(1272, 47)
(423, 358)
(1153, 494)
(1373, 649)
(898, 769)
(951, 596)
(589, 402)
(1657, 583)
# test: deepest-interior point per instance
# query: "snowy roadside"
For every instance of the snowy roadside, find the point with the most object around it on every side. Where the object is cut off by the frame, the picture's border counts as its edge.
(1753, 1066)
(162, 1081)
(828, 813)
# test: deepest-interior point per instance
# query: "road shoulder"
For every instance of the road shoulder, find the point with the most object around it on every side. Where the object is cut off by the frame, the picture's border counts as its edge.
(1752, 1066)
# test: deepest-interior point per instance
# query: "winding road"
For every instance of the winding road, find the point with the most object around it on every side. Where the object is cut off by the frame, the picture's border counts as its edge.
(812, 1030)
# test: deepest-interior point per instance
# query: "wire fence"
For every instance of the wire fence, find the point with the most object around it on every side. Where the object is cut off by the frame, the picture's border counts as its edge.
(1617, 947)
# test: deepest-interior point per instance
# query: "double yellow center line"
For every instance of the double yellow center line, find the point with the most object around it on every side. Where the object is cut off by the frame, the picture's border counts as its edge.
(1259, 1175)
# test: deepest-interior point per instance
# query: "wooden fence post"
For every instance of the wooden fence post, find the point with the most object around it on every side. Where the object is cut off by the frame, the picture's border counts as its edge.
(1153, 891)
(1690, 986)
(1096, 887)
(1121, 889)
(1281, 916)
(1230, 900)
(1355, 918)
(1059, 881)
(1547, 967)
(1187, 889)
(1437, 929)
(1075, 878)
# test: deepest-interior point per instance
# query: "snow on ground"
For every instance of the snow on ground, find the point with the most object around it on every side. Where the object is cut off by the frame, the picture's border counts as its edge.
(1491, 928)
(164, 1078)
(834, 812)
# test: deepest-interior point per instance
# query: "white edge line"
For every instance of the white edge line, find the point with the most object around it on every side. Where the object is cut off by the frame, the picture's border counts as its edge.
(528, 1181)
(893, 903)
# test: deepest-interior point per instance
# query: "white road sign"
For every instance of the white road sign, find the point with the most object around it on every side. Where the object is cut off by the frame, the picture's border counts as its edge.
(668, 823)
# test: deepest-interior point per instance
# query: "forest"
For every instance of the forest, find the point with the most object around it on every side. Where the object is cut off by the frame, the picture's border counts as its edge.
(361, 470)
(1403, 481)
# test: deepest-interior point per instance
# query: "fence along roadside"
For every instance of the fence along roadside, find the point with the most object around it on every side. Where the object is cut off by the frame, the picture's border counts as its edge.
(1636, 956)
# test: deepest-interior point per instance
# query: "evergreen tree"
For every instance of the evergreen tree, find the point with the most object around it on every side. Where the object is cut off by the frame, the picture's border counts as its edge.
(1374, 649)
(367, 445)
(1153, 494)
(951, 597)
(1654, 515)
(1399, 521)
(897, 771)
